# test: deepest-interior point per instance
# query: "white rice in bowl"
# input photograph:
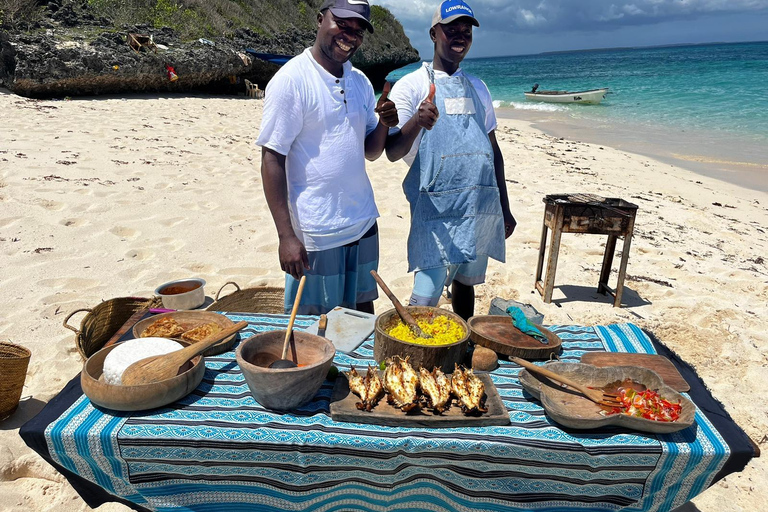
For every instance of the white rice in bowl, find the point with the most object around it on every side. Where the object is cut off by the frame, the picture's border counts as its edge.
(130, 351)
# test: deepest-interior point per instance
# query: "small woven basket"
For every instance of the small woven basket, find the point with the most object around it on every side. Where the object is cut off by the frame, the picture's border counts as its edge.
(260, 299)
(14, 361)
(101, 322)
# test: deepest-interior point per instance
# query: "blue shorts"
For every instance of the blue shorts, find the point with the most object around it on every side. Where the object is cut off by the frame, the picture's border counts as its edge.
(428, 284)
(337, 277)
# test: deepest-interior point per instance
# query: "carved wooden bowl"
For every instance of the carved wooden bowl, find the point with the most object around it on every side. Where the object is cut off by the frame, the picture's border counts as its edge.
(444, 357)
(571, 409)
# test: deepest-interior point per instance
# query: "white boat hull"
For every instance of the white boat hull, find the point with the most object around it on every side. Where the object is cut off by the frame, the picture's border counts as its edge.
(592, 97)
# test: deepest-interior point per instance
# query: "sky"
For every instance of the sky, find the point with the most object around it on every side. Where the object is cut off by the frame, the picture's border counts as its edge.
(520, 27)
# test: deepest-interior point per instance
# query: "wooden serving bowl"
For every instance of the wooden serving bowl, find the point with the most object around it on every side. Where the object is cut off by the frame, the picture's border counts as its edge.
(444, 357)
(569, 408)
(138, 398)
(284, 389)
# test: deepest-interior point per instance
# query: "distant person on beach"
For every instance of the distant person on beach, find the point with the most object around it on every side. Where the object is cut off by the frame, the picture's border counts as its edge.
(446, 132)
(318, 127)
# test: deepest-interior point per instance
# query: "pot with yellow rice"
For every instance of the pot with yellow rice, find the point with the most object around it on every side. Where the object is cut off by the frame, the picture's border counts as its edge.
(448, 345)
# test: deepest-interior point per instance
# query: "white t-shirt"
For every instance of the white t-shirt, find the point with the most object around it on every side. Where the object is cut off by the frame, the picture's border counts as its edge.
(319, 122)
(409, 91)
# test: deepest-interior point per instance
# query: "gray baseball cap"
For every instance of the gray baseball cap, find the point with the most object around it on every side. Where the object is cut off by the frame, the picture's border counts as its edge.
(350, 9)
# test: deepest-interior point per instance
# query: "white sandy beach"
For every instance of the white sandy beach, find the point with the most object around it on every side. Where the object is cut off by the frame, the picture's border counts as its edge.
(107, 197)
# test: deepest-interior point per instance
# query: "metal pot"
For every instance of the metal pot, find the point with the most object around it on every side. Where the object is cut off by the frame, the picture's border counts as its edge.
(182, 294)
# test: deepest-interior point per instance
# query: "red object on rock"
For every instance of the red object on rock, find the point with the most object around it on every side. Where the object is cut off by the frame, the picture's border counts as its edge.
(172, 76)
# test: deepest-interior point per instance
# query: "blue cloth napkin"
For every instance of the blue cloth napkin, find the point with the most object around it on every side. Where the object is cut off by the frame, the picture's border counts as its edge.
(521, 322)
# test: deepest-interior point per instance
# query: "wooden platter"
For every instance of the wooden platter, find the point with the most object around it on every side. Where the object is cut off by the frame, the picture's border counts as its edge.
(189, 320)
(343, 409)
(571, 409)
(657, 363)
(497, 333)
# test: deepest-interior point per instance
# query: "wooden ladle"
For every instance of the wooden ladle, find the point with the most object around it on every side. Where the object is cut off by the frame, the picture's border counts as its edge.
(157, 368)
(284, 362)
(404, 314)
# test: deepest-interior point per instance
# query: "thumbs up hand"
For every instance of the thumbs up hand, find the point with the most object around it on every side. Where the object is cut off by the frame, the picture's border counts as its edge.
(386, 108)
(428, 114)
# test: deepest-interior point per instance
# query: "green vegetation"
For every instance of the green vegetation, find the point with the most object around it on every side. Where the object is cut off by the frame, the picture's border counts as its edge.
(14, 13)
(192, 19)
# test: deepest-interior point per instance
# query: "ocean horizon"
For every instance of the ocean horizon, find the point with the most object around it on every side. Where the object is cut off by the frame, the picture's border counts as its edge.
(701, 106)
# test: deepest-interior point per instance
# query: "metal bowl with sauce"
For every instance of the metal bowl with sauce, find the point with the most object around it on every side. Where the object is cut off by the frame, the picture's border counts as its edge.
(182, 293)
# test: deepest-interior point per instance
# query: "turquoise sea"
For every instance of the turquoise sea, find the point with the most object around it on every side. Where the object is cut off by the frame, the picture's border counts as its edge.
(705, 105)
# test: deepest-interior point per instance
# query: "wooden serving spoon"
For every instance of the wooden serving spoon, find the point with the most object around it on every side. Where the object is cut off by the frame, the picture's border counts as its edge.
(403, 312)
(284, 362)
(157, 368)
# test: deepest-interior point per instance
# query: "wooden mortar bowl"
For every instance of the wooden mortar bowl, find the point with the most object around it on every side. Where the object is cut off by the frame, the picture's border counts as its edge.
(284, 389)
(138, 398)
(444, 357)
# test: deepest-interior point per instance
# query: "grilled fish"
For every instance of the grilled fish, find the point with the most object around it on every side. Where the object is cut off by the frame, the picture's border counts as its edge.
(368, 388)
(469, 391)
(401, 382)
(437, 389)
(374, 389)
(356, 383)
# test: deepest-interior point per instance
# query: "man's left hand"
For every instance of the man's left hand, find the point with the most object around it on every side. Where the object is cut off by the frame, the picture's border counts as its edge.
(509, 224)
(386, 108)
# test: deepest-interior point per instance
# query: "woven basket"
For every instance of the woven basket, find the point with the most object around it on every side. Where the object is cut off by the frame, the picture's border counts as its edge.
(14, 361)
(104, 320)
(261, 299)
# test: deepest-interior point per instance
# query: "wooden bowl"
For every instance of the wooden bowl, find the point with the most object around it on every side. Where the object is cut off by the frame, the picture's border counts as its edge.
(138, 398)
(284, 389)
(444, 357)
(573, 410)
(497, 333)
(189, 320)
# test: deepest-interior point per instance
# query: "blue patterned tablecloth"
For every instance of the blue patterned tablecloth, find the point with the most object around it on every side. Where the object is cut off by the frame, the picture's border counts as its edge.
(218, 449)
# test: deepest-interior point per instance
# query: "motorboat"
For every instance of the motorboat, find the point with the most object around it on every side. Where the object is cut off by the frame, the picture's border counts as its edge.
(591, 97)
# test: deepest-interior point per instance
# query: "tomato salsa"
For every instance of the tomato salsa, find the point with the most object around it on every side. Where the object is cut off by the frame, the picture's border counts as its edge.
(644, 403)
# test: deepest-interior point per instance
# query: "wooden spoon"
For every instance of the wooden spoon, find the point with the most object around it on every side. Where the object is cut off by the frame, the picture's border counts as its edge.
(404, 314)
(157, 368)
(284, 362)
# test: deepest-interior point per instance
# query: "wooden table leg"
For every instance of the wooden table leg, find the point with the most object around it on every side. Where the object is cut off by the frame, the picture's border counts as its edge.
(542, 250)
(623, 268)
(554, 249)
(605, 272)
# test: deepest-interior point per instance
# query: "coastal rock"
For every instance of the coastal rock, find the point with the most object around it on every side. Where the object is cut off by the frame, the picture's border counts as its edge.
(72, 52)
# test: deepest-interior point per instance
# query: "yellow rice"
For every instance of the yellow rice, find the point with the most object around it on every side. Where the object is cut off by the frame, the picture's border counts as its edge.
(444, 331)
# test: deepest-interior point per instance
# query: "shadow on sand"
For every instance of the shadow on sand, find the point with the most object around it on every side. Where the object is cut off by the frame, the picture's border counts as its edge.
(28, 409)
(629, 299)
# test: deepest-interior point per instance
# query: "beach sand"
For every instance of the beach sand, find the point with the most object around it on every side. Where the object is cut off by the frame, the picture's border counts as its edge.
(109, 197)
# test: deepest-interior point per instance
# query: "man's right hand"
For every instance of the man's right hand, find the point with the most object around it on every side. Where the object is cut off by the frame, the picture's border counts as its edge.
(427, 115)
(293, 257)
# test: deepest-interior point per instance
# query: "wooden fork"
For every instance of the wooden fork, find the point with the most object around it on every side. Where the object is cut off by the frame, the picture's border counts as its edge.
(597, 396)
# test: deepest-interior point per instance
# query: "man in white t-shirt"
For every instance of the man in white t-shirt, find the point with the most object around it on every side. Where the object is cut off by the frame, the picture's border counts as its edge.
(446, 132)
(318, 127)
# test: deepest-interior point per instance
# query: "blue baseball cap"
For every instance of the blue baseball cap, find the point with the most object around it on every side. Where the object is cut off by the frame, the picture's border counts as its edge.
(451, 10)
(350, 9)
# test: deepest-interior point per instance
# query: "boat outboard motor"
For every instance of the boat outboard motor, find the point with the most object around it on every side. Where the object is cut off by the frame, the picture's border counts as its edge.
(535, 86)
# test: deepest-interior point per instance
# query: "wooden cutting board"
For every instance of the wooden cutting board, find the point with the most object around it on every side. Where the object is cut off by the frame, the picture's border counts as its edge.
(497, 333)
(343, 409)
(657, 363)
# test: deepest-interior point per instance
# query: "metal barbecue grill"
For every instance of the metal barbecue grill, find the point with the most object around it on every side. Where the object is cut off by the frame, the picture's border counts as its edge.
(586, 213)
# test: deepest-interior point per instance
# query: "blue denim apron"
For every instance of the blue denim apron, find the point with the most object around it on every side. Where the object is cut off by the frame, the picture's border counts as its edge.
(451, 186)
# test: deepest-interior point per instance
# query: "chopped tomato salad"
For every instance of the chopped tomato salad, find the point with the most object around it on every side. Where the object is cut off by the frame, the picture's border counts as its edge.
(646, 404)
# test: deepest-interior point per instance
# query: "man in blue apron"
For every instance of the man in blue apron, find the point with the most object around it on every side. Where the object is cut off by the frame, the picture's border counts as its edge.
(456, 189)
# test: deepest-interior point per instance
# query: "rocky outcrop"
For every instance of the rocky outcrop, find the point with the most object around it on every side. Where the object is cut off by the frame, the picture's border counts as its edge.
(60, 58)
